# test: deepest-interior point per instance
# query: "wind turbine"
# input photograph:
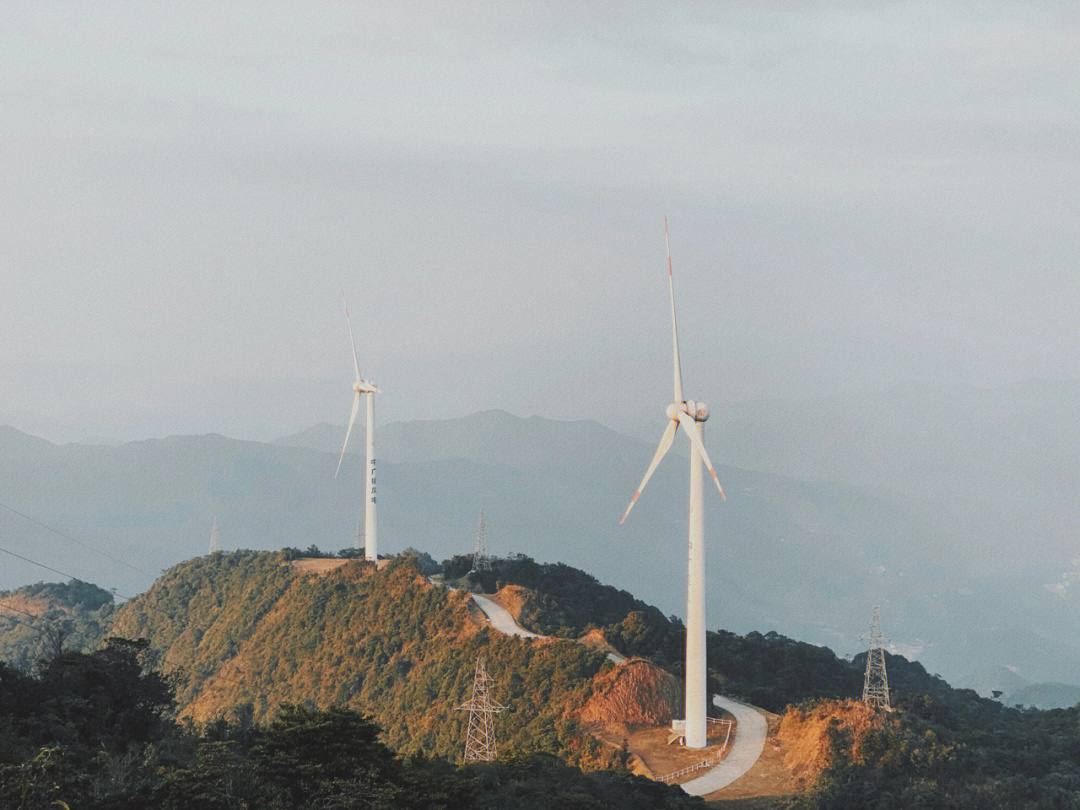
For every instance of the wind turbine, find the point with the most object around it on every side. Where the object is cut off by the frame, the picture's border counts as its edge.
(369, 389)
(691, 415)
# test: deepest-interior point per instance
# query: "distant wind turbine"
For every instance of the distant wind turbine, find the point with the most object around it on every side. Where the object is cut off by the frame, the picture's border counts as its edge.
(691, 415)
(362, 386)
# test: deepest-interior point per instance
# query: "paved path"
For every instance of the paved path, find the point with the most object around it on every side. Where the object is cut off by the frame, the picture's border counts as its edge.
(750, 733)
(750, 730)
(501, 619)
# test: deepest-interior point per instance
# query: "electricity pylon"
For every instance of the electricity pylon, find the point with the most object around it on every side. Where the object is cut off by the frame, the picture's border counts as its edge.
(481, 560)
(215, 538)
(480, 740)
(876, 683)
(358, 538)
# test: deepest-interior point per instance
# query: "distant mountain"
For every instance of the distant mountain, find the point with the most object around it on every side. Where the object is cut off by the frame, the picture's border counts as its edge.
(494, 438)
(1044, 696)
(995, 472)
(801, 546)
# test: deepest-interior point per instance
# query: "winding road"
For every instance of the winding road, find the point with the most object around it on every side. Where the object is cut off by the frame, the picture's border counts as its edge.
(750, 730)
(501, 619)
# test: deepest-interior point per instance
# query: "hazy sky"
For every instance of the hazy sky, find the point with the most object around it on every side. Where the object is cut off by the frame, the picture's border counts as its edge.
(860, 194)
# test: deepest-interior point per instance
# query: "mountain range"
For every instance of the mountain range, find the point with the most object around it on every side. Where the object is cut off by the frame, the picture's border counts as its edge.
(833, 507)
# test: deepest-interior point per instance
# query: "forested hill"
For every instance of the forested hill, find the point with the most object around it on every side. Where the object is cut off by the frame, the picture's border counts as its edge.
(766, 669)
(36, 621)
(941, 747)
(245, 633)
(242, 635)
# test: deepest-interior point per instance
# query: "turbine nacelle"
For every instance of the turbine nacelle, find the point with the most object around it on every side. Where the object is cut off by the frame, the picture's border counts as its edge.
(365, 387)
(695, 410)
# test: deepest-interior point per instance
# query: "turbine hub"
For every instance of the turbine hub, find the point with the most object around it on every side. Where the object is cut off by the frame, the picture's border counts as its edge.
(695, 410)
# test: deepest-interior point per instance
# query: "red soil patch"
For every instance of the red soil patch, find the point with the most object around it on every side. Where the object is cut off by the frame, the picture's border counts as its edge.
(635, 693)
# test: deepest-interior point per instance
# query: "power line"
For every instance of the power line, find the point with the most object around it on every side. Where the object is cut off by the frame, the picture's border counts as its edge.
(143, 605)
(42, 565)
(80, 579)
(68, 537)
(115, 592)
(27, 625)
(69, 576)
(20, 610)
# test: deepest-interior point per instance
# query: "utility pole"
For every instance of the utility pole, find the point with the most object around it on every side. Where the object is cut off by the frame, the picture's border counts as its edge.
(480, 739)
(876, 683)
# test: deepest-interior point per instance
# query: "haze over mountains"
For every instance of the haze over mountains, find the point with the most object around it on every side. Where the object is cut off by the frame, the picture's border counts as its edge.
(954, 508)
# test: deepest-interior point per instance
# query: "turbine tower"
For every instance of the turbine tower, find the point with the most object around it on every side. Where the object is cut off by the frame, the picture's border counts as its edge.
(215, 538)
(480, 739)
(691, 415)
(481, 560)
(876, 683)
(369, 389)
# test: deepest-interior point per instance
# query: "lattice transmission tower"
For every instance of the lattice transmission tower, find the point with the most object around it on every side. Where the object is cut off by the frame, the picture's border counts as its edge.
(876, 683)
(358, 538)
(481, 558)
(480, 739)
(215, 538)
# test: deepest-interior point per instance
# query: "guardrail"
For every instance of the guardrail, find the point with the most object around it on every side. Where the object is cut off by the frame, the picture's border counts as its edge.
(713, 758)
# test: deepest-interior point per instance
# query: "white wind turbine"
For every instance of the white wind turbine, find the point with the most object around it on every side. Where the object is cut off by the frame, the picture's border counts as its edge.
(691, 415)
(362, 386)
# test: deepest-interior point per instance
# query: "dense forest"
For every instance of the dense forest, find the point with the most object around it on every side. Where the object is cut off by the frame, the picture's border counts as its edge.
(953, 750)
(96, 732)
(768, 670)
(941, 747)
(244, 633)
(265, 666)
(40, 620)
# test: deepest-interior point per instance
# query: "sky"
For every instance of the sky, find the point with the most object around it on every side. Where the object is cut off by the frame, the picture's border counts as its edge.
(860, 195)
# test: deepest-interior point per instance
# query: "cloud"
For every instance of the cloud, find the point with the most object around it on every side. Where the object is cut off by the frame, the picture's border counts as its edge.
(183, 190)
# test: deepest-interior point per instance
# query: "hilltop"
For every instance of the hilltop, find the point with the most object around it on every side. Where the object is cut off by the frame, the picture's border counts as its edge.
(250, 633)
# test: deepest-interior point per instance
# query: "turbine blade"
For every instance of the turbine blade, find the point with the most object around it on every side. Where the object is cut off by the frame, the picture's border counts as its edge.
(665, 444)
(348, 430)
(674, 324)
(352, 340)
(694, 435)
